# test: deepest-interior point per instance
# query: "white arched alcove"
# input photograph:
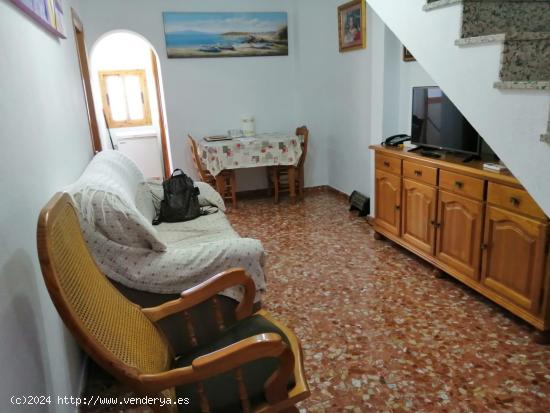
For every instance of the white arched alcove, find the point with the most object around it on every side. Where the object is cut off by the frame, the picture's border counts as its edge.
(126, 50)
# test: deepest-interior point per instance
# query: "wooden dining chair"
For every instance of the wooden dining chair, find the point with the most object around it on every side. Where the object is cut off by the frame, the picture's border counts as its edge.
(226, 184)
(254, 364)
(278, 176)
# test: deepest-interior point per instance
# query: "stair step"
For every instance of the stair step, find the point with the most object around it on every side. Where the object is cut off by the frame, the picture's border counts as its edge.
(490, 38)
(437, 4)
(525, 57)
(484, 17)
(525, 85)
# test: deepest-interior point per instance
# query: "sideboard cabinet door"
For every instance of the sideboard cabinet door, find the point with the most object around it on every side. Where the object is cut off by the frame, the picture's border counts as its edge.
(513, 257)
(459, 235)
(419, 215)
(388, 202)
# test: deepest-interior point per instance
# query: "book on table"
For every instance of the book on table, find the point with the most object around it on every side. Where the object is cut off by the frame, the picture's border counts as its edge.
(216, 138)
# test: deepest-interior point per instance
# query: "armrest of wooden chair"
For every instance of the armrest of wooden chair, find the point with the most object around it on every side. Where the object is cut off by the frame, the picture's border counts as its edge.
(231, 358)
(209, 288)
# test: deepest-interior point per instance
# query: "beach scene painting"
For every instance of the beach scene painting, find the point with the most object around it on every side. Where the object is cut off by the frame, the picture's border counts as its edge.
(225, 34)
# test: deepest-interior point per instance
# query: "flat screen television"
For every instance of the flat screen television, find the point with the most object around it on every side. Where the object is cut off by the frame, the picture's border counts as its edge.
(437, 123)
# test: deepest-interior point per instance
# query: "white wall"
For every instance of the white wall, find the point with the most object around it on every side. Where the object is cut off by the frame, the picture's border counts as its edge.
(209, 96)
(335, 96)
(45, 144)
(410, 74)
(510, 121)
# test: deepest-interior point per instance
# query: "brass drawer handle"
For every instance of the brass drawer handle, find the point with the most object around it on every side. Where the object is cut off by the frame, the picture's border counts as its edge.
(418, 172)
(515, 201)
(397, 207)
(459, 184)
(386, 163)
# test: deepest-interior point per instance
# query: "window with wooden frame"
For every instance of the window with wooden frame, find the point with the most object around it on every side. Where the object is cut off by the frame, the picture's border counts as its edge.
(125, 98)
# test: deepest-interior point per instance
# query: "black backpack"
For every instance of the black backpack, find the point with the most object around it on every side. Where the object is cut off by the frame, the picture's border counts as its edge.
(181, 199)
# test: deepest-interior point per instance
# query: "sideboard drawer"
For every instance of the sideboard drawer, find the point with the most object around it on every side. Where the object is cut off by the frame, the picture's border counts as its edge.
(514, 199)
(420, 172)
(388, 164)
(461, 184)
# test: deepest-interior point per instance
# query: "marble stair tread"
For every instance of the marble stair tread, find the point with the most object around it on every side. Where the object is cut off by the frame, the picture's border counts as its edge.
(522, 85)
(525, 57)
(437, 4)
(490, 38)
(480, 18)
(500, 37)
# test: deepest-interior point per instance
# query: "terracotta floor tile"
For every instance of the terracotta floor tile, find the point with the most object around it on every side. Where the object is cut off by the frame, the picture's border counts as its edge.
(380, 332)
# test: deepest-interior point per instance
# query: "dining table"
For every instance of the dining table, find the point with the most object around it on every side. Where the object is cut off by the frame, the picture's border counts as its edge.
(260, 150)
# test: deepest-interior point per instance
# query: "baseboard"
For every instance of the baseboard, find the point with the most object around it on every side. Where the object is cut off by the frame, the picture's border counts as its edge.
(262, 193)
(253, 193)
(338, 192)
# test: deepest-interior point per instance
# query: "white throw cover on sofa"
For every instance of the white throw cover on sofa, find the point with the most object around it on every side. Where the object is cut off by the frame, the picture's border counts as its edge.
(165, 259)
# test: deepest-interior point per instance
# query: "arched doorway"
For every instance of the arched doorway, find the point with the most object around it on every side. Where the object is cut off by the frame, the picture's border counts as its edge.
(129, 100)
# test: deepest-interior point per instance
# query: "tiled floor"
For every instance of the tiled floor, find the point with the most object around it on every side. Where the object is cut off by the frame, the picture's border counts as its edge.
(380, 332)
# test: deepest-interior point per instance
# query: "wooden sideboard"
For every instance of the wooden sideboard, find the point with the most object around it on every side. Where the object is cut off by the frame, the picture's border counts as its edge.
(478, 226)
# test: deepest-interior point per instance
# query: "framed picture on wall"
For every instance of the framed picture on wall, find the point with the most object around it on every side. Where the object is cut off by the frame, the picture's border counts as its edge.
(47, 13)
(352, 32)
(225, 34)
(407, 55)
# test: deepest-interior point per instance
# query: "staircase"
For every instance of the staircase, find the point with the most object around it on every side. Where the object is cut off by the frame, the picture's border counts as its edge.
(524, 28)
(492, 58)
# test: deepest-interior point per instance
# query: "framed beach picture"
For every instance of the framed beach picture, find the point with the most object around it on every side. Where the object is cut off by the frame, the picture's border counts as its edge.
(47, 13)
(351, 26)
(195, 35)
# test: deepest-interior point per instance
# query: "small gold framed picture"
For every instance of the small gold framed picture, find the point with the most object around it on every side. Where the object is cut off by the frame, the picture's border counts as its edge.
(407, 55)
(352, 26)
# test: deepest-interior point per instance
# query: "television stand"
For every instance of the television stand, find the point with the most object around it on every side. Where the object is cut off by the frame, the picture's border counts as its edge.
(417, 148)
(430, 154)
(471, 158)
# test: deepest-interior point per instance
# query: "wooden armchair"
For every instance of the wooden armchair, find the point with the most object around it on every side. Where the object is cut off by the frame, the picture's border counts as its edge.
(254, 365)
(226, 184)
(279, 177)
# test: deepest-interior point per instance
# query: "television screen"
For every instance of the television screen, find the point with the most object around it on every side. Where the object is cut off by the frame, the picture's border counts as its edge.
(437, 123)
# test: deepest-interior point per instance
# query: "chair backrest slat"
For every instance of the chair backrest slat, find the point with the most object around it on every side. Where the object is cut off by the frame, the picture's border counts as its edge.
(203, 400)
(243, 394)
(190, 329)
(203, 173)
(220, 322)
(303, 131)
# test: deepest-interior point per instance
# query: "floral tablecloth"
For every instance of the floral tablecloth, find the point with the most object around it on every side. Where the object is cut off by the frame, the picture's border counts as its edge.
(265, 149)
